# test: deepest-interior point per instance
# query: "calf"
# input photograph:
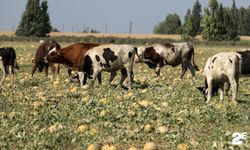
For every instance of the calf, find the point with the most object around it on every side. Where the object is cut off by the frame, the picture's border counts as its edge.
(109, 58)
(158, 55)
(225, 67)
(8, 57)
(41, 52)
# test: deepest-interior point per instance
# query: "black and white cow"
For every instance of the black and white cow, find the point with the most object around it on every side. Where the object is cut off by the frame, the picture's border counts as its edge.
(8, 57)
(158, 55)
(109, 58)
(225, 67)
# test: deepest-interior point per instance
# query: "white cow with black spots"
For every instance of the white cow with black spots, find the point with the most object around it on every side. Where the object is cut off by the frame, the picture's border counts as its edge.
(160, 54)
(109, 58)
(225, 67)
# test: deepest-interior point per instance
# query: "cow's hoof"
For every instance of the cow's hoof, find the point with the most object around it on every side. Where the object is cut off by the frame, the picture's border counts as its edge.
(234, 103)
(206, 101)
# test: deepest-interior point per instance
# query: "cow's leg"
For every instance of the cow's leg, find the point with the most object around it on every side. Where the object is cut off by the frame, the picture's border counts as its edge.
(5, 73)
(191, 69)
(95, 74)
(209, 90)
(129, 69)
(234, 84)
(85, 76)
(227, 87)
(99, 77)
(34, 69)
(221, 90)
(112, 76)
(12, 74)
(158, 70)
(123, 75)
(46, 69)
(55, 70)
(70, 75)
(184, 66)
(81, 78)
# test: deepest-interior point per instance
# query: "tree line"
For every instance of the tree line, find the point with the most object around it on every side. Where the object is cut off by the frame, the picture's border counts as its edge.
(216, 23)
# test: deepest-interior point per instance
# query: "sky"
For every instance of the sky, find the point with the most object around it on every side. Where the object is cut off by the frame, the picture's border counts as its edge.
(106, 16)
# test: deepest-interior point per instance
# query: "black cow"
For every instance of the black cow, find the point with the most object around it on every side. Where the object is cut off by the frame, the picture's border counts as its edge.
(8, 57)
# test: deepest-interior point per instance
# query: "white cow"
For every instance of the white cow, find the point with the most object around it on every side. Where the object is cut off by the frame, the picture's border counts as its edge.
(110, 58)
(225, 67)
(158, 55)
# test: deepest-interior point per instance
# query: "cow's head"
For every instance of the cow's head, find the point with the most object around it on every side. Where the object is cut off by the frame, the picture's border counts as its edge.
(139, 55)
(49, 45)
(204, 89)
(54, 56)
(147, 55)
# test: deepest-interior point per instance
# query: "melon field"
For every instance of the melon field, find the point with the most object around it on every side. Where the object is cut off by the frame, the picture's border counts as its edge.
(47, 113)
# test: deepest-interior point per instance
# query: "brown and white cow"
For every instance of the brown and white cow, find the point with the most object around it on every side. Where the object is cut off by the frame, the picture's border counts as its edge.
(41, 52)
(71, 56)
(109, 58)
(225, 67)
(8, 57)
(158, 55)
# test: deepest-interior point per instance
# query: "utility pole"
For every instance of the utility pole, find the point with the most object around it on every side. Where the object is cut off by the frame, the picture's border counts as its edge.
(106, 27)
(62, 27)
(83, 27)
(130, 27)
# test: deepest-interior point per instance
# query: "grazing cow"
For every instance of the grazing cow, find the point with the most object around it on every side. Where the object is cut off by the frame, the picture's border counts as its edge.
(158, 55)
(8, 57)
(71, 56)
(41, 52)
(225, 67)
(109, 58)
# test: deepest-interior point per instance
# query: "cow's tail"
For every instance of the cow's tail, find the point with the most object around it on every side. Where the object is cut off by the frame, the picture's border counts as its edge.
(16, 64)
(192, 55)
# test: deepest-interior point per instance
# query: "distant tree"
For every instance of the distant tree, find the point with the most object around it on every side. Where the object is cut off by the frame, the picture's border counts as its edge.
(218, 22)
(244, 21)
(171, 25)
(208, 21)
(191, 26)
(35, 20)
(232, 24)
(187, 29)
(196, 17)
(221, 23)
(187, 15)
(44, 19)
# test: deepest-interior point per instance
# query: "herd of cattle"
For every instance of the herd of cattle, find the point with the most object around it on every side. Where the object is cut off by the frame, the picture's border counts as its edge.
(90, 59)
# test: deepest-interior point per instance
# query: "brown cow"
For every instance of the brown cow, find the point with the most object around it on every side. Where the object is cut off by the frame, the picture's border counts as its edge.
(71, 56)
(41, 52)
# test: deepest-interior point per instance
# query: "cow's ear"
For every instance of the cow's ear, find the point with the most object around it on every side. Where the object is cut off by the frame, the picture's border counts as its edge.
(200, 88)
